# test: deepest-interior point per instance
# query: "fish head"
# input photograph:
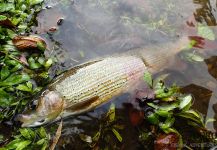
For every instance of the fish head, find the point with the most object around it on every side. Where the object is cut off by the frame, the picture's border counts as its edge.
(47, 107)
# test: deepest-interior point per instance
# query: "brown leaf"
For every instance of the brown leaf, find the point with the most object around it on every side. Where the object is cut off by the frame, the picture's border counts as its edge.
(136, 117)
(29, 42)
(167, 142)
(7, 24)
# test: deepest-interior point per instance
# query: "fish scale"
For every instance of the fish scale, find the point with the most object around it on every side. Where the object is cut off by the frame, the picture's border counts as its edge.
(111, 75)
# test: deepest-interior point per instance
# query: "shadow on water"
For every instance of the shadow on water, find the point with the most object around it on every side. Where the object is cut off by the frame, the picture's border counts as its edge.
(96, 28)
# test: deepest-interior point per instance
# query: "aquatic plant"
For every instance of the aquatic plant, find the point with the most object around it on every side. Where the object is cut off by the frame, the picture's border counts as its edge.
(108, 128)
(171, 107)
(29, 139)
(23, 68)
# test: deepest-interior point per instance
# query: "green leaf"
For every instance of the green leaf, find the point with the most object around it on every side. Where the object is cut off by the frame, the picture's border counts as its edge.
(153, 105)
(185, 102)
(23, 87)
(6, 7)
(205, 32)
(148, 78)
(163, 113)
(33, 64)
(153, 118)
(169, 107)
(13, 144)
(165, 94)
(117, 134)
(29, 84)
(25, 133)
(41, 46)
(192, 115)
(167, 124)
(42, 132)
(111, 113)
(35, 2)
(4, 72)
(14, 79)
(22, 145)
(48, 63)
(11, 33)
(11, 62)
(40, 142)
(45, 146)
(44, 75)
(16, 68)
(3, 18)
(191, 44)
(5, 98)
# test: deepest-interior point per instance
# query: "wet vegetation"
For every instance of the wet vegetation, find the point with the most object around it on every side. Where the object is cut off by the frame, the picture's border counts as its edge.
(24, 68)
(161, 112)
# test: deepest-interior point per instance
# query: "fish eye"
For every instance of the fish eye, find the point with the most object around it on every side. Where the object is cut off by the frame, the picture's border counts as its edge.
(41, 121)
(33, 105)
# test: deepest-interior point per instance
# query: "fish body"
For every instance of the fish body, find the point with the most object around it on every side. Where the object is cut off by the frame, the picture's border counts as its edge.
(88, 85)
(101, 79)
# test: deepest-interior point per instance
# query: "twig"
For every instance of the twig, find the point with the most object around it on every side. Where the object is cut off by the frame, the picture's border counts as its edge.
(57, 136)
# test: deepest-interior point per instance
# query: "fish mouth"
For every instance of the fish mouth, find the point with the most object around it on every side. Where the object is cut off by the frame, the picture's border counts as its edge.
(30, 120)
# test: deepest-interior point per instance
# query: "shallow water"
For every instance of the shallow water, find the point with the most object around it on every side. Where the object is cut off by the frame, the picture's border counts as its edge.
(95, 28)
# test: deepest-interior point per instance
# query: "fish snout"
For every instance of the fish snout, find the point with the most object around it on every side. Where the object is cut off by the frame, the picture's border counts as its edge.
(21, 119)
(29, 120)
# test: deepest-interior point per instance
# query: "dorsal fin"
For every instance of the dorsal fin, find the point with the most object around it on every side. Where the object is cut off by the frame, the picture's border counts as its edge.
(70, 72)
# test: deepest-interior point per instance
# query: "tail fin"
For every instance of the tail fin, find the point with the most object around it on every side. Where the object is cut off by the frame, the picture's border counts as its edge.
(158, 57)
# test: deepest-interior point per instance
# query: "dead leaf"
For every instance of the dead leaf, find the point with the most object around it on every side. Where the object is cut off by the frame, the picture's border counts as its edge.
(167, 141)
(5, 22)
(29, 42)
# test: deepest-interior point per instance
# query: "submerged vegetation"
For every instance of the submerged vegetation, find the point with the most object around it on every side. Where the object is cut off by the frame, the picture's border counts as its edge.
(164, 114)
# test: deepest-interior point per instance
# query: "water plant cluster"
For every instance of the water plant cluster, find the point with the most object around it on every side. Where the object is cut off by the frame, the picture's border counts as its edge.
(23, 69)
(163, 115)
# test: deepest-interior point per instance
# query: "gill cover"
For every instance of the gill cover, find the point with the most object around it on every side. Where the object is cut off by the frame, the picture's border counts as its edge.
(49, 106)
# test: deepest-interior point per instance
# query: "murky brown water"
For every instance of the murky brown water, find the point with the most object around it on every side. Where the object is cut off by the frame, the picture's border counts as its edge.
(96, 28)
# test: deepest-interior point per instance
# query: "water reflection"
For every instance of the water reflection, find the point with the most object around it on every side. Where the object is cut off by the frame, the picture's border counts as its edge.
(99, 27)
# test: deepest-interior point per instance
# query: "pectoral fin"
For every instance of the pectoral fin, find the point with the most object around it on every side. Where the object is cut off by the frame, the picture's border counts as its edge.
(82, 106)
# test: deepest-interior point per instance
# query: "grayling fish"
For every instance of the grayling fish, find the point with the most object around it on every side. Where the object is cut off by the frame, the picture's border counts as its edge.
(88, 85)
